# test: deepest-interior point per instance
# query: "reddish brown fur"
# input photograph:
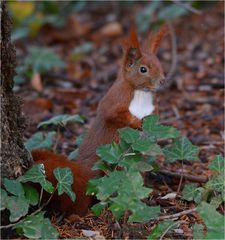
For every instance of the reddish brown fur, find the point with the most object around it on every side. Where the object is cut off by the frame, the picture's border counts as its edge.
(112, 114)
(80, 174)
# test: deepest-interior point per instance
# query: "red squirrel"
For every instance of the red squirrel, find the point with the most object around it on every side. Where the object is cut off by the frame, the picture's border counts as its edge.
(127, 102)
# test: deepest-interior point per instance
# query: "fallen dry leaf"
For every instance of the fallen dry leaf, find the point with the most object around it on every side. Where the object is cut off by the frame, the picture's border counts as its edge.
(36, 82)
(113, 29)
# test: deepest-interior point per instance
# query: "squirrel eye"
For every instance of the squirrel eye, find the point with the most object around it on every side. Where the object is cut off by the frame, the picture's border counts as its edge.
(143, 69)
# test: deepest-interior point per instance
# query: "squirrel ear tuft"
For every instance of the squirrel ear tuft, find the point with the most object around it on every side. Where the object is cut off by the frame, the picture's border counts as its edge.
(156, 39)
(131, 47)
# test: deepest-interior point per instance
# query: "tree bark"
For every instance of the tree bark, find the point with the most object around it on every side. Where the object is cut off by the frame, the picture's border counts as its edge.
(14, 157)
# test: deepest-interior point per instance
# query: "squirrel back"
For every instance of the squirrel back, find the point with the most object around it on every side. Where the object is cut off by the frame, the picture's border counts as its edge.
(127, 102)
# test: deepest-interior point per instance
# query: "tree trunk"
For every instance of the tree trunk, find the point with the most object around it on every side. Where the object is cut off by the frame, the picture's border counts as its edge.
(14, 157)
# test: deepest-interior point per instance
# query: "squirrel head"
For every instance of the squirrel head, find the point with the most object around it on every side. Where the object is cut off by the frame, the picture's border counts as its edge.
(141, 67)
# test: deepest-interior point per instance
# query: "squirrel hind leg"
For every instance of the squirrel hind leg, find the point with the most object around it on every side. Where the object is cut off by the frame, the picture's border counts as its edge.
(81, 176)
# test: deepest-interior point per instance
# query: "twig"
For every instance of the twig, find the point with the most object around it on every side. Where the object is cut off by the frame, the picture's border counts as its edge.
(185, 176)
(187, 6)
(172, 225)
(181, 179)
(174, 53)
(40, 198)
(176, 215)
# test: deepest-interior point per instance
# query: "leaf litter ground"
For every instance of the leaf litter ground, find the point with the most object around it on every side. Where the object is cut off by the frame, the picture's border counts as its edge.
(193, 103)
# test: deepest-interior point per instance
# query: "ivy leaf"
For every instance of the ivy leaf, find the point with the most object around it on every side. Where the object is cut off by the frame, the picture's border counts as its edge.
(73, 154)
(117, 209)
(198, 231)
(129, 135)
(36, 175)
(160, 229)
(143, 213)
(18, 207)
(40, 140)
(4, 199)
(181, 149)
(110, 153)
(13, 186)
(151, 125)
(31, 195)
(101, 165)
(98, 208)
(172, 12)
(192, 193)
(61, 120)
(216, 183)
(42, 60)
(213, 220)
(108, 185)
(216, 201)
(37, 227)
(146, 147)
(142, 145)
(65, 180)
(217, 164)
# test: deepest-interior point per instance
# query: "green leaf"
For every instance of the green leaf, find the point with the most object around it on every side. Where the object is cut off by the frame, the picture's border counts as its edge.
(198, 231)
(143, 213)
(40, 140)
(13, 186)
(181, 149)
(216, 183)
(151, 126)
(93, 185)
(110, 153)
(101, 165)
(192, 193)
(131, 160)
(37, 227)
(80, 51)
(73, 154)
(31, 194)
(80, 139)
(117, 210)
(19, 33)
(143, 146)
(61, 120)
(217, 164)
(42, 60)
(172, 12)
(129, 135)
(65, 180)
(4, 199)
(18, 207)
(98, 208)
(160, 229)
(216, 201)
(143, 17)
(36, 175)
(108, 185)
(213, 220)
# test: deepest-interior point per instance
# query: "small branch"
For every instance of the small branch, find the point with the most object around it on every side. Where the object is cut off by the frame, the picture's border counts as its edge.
(191, 178)
(176, 215)
(9, 225)
(181, 179)
(171, 226)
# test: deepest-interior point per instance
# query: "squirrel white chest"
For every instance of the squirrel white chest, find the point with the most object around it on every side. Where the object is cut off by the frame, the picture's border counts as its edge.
(142, 104)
